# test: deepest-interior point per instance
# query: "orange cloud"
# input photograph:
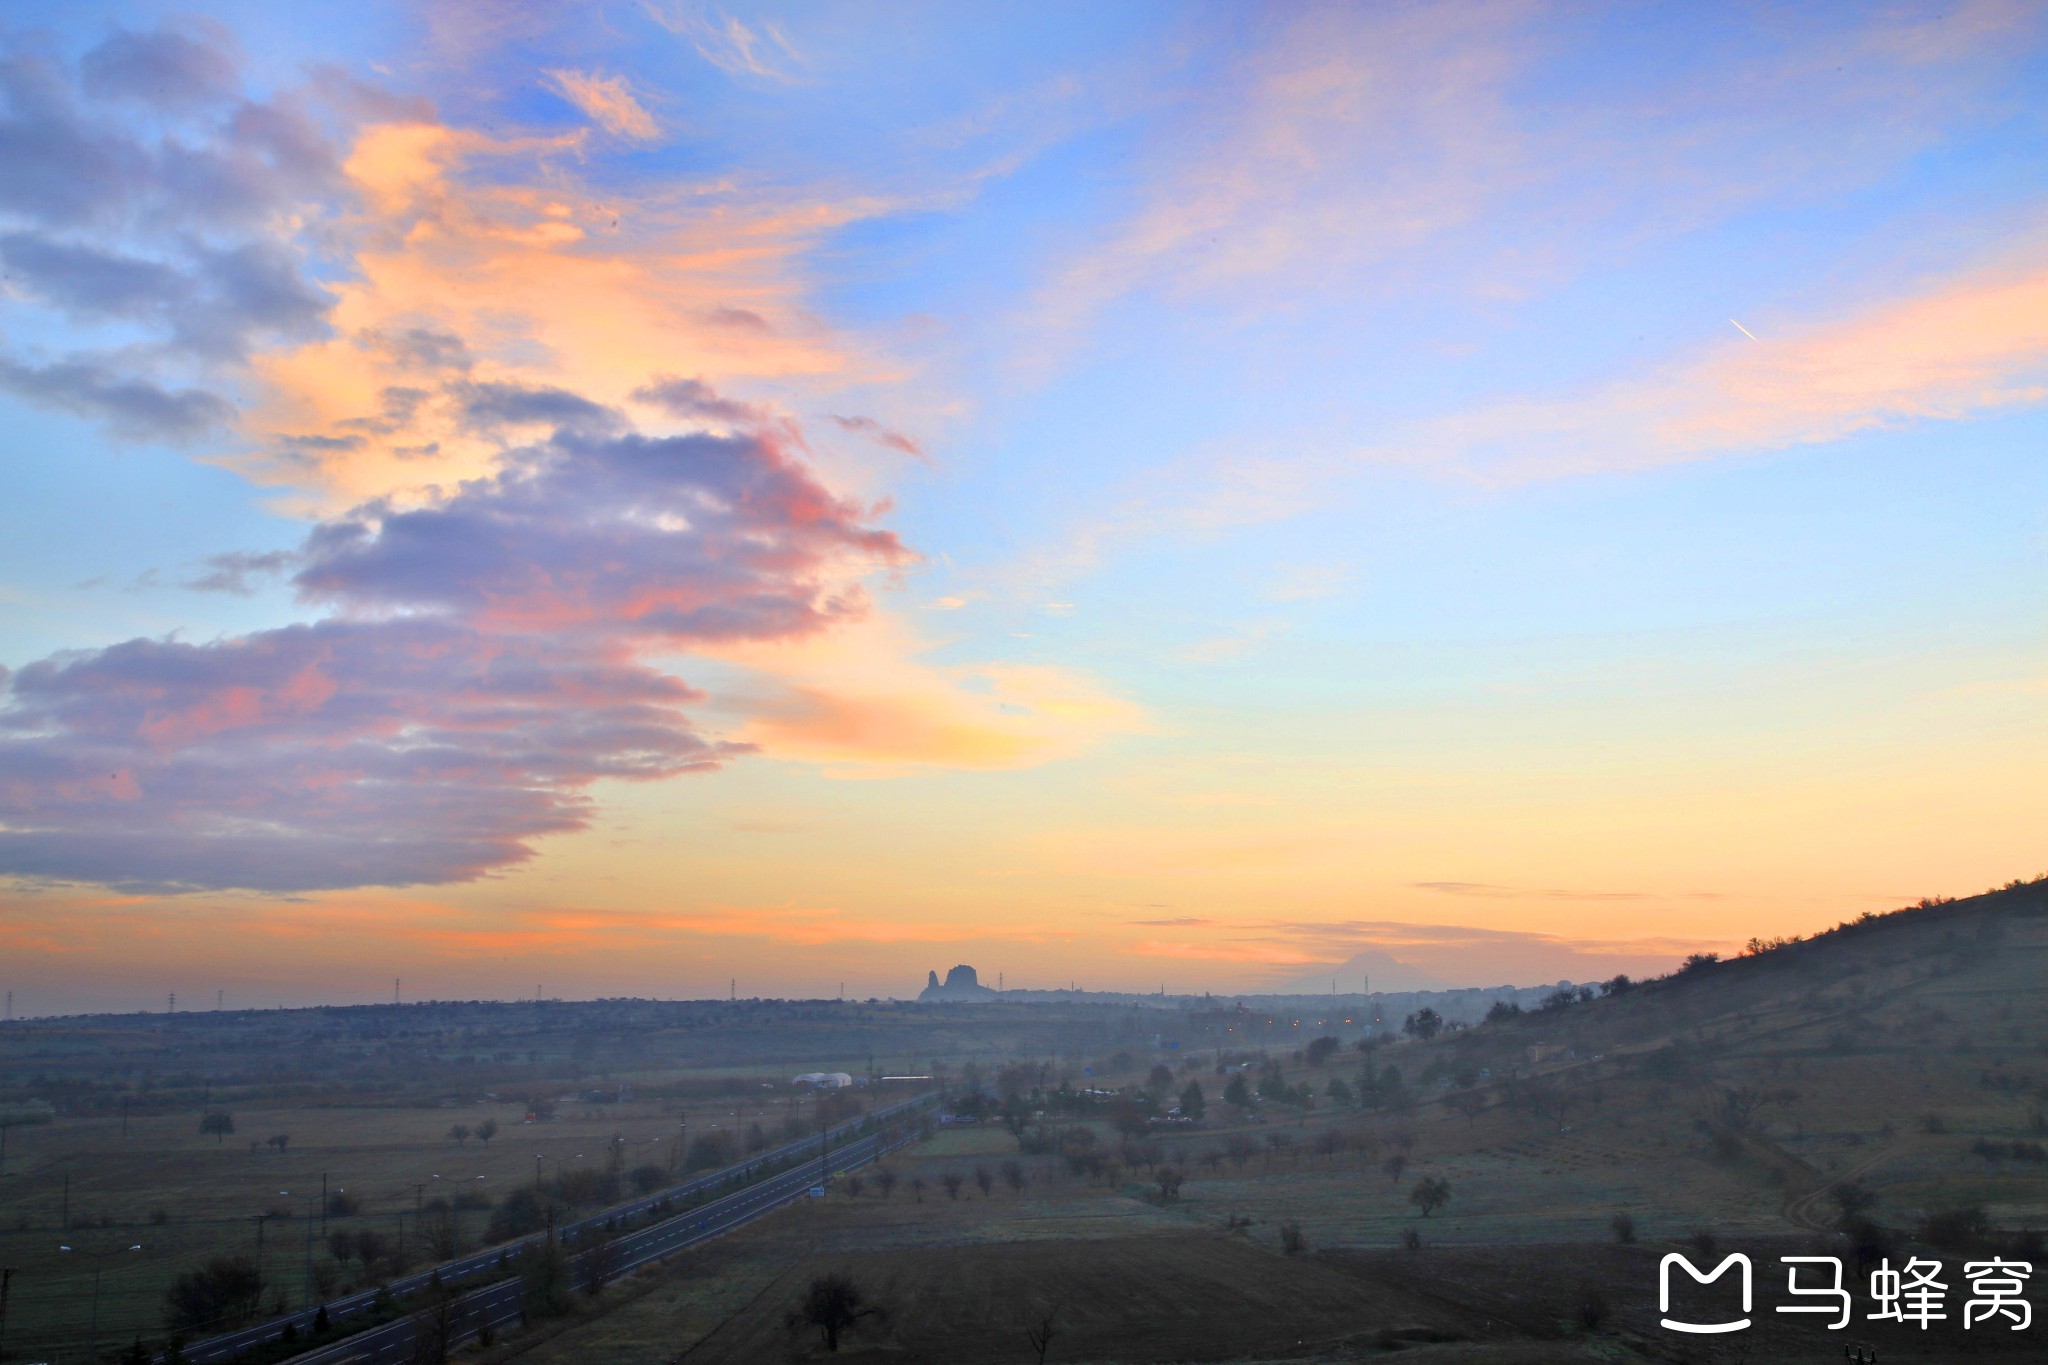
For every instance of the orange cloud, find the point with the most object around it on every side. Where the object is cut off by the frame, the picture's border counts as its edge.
(1963, 347)
(608, 101)
(861, 701)
(479, 257)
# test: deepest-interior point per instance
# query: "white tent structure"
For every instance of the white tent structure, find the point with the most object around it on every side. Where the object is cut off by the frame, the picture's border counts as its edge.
(824, 1080)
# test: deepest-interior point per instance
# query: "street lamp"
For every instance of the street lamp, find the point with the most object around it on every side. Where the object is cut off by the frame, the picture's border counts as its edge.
(99, 1260)
(310, 1199)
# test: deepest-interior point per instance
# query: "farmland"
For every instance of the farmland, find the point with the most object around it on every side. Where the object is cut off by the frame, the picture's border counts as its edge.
(1876, 1092)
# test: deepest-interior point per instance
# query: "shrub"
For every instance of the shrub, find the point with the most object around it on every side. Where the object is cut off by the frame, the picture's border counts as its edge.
(1593, 1309)
(1292, 1240)
(226, 1290)
(1624, 1228)
(545, 1278)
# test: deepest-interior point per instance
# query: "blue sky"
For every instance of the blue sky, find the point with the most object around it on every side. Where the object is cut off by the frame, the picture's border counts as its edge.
(1275, 462)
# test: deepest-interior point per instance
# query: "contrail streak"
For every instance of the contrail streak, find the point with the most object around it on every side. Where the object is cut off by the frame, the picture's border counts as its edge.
(1744, 330)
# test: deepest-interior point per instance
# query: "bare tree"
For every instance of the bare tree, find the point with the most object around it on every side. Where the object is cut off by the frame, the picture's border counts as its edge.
(1039, 1331)
(1466, 1102)
(486, 1130)
(459, 1134)
(1393, 1166)
(1240, 1149)
(217, 1126)
(834, 1305)
(441, 1231)
(371, 1247)
(1169, 1183)
(601, 1265)
(435, 1332)
(1430, 1194)
(1277, 1144)
(1013, 1175)
(985, 1179)
(952, 1181)
(1549, 1099)
(885, 1181)
(917, 1187)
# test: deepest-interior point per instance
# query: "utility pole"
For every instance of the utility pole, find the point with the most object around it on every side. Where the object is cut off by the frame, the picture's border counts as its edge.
(735, 989)
(6, 1279)
(172, 1008)
(308, 1291)
(323, 1203)
(10, 1004)
(394, 990)
(220, 998)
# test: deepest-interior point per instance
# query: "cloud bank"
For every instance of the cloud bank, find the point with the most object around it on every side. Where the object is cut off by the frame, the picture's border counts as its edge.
(144, 200)
(479, 671)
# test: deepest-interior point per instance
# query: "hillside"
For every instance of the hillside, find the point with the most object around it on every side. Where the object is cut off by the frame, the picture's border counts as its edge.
(1874, 1093)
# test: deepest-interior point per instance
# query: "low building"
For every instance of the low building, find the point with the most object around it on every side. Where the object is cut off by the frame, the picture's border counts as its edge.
(824, 1080)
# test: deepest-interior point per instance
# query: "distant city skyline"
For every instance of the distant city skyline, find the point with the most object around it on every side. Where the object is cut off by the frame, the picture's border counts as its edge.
(638, 496)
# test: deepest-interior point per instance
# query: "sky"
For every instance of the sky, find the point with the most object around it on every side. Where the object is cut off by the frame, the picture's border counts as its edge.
(659, 499)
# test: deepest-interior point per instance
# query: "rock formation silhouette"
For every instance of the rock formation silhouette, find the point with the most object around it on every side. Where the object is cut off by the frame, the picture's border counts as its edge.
(961, 984)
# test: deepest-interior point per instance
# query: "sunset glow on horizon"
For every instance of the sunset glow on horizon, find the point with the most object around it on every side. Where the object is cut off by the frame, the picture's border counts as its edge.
(661, 499)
